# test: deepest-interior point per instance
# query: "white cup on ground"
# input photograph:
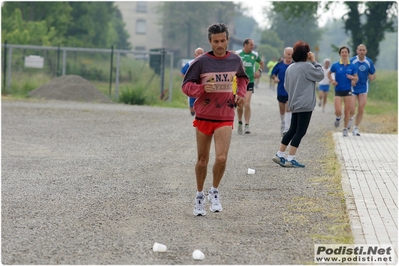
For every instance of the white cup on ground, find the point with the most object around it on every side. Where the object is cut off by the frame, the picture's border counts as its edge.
(251, 171)
(198, 255)
(159, 247)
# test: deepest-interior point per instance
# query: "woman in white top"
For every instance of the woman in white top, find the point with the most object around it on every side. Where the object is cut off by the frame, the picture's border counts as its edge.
(324, 85)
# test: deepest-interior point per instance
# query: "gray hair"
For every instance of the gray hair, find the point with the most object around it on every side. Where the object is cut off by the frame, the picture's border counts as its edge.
(287, 48)
(199, 48)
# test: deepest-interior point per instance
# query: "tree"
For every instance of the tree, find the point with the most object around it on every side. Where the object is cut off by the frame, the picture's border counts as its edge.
(87, 24)
(56, 14)
(377, 21)
(122, 36)
(17, 31)
(90, 23)
(291, 10)
(267, 52)
(246, 27)
(184, 24)
(369, 29)
(271, 38)
(293, 21)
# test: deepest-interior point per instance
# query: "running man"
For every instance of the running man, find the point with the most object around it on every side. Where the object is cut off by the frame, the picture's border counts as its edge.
(197, 52)
(270, 65)
(366, 73)
(210, 80)
(278, 74)
(324, 85)
(249, 58)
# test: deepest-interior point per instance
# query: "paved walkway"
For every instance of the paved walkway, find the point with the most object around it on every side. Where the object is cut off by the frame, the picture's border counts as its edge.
(370, 182)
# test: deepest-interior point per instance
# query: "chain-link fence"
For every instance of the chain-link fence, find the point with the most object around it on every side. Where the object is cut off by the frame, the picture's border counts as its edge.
(106, 66)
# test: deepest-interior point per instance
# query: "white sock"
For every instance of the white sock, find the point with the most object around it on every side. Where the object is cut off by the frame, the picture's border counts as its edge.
(287, 120)
(200, 193)
(282, 118)
(280, 153)
(214, 189)
(290, 157)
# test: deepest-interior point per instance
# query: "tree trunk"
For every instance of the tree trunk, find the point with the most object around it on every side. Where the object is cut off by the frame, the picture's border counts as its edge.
(353, 25)
(372, 32)
(375, 27)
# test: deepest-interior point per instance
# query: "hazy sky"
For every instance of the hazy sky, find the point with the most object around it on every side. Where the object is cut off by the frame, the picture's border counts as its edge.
(256, 11)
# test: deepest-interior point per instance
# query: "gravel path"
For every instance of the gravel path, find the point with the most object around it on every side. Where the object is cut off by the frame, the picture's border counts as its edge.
(93, 183)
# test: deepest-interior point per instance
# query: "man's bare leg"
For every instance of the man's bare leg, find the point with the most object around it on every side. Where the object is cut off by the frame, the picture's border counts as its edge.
(203, 149)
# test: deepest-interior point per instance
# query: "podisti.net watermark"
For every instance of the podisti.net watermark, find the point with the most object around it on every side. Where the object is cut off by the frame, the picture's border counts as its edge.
(353, 254)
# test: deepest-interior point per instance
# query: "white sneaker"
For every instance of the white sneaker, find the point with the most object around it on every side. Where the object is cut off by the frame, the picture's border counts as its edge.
(199, 205)
(336, 123)
(355, 132)
(345, 132)
(214, 198)
(239, 130)
(246, 130)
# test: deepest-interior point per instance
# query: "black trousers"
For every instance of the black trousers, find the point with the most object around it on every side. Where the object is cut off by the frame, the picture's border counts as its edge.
(299, 126)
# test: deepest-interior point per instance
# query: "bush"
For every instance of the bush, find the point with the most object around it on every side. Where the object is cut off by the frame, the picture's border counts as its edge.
(137, 95)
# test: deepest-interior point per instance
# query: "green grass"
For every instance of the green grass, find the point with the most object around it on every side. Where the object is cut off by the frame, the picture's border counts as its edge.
(23, 83)
(339, 230)
(385, 87)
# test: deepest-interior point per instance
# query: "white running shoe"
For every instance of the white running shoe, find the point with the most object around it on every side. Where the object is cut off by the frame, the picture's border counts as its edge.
(336, 123)
(247, 129)
(214, 198)
(199, 205)
(345, 132)
(355, 132)
(239, 129)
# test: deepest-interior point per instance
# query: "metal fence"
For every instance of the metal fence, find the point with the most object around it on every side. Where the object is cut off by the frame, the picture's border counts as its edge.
(58, 61)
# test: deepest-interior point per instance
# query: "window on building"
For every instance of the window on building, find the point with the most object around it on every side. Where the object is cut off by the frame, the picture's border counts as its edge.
(141, 7)
(140, 26)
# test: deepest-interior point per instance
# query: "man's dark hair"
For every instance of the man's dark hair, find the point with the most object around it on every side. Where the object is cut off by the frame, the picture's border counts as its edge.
(301, 50)
(343, 47)
(218, 28)
(246, 41)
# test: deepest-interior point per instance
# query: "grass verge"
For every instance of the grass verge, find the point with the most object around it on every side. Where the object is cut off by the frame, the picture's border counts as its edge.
(340, 230)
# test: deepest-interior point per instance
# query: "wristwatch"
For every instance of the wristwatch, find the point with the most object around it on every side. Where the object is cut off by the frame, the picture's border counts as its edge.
(260, 70)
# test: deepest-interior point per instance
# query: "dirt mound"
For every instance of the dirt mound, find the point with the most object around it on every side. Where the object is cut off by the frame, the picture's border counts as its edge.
(70, 88)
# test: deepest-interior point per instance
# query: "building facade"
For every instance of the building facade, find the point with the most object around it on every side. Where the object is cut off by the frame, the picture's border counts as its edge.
(142, 24)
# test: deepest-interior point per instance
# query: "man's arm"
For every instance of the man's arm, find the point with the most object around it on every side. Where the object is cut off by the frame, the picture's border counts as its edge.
(192, 89)
(274, 74)
(261, 65)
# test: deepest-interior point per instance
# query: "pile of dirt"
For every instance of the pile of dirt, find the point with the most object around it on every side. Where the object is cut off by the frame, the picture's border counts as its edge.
(70, 88)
